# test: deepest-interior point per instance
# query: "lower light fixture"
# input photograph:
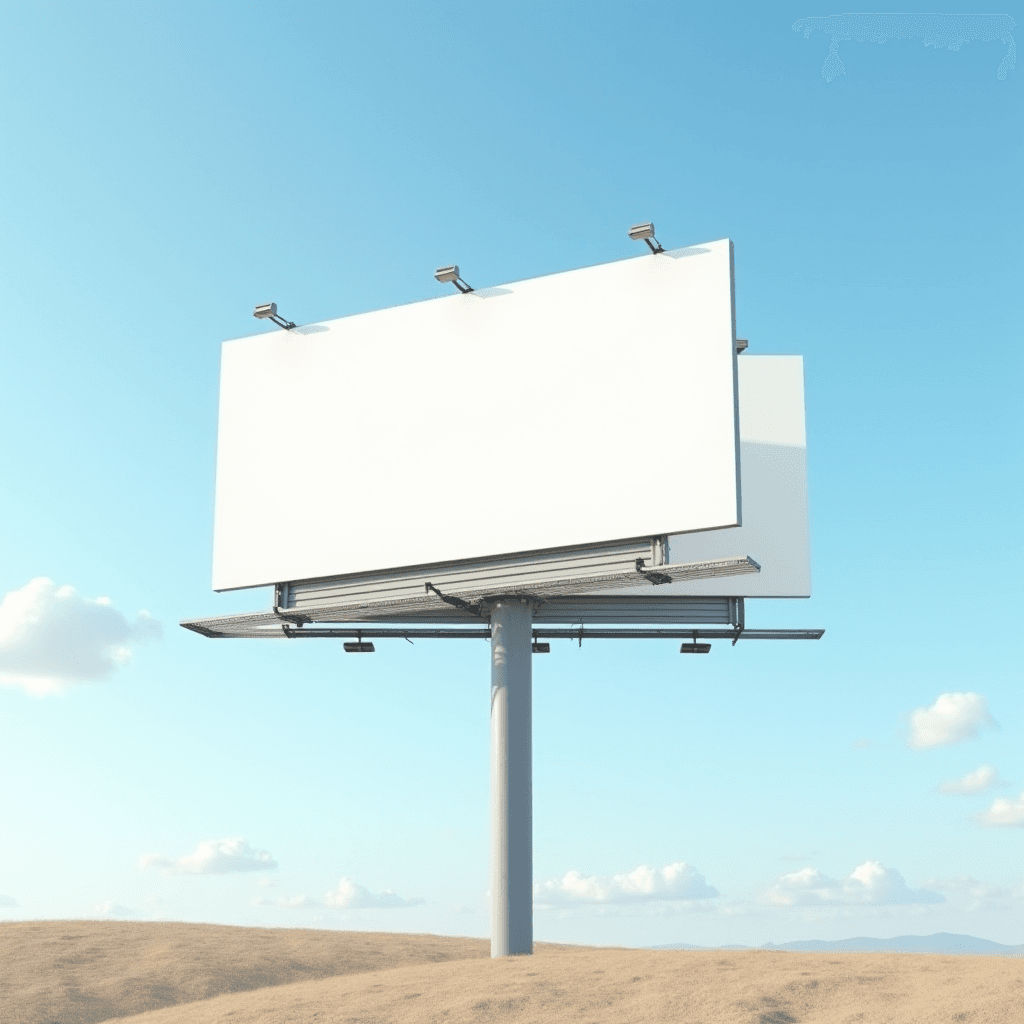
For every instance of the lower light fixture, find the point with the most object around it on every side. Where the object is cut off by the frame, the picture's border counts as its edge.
(359, 646)
(694, 647)
(541, 648)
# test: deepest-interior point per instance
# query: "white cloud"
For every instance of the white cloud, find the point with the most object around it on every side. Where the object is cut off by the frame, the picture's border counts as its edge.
(8, 901)
(953, 717)
(214, 857)
(978, 895)
(352, 896)
(869, 884)
(52, 638)
(1003, 813)
(290, 902)
(112, 909)
(973, 782)
(677, 881)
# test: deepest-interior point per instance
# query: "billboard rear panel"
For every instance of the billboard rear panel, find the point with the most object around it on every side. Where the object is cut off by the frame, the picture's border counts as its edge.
(773, 460)
(576, 408)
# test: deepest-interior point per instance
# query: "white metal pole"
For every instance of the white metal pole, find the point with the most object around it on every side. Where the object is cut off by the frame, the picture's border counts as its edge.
(511, 777)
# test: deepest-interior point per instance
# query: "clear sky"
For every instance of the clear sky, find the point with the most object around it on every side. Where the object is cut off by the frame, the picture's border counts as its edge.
(165, 167)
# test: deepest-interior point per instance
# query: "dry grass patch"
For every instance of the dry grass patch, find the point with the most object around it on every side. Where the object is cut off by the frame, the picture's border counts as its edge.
(564, 985)
(83, 972)
(71, 972)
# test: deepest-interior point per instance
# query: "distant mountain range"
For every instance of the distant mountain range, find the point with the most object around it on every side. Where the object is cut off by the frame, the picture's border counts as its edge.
(941, 942)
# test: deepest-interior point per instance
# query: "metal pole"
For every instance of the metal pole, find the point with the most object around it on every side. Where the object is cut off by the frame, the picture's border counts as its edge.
(511, 778)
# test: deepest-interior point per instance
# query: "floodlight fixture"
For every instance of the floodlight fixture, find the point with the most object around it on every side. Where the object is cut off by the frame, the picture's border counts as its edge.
(694, 647)
(451, 274)
(541, 648)
(268, 311)
(645, 233)
(689, 648)
(741, 345)
(359, 647)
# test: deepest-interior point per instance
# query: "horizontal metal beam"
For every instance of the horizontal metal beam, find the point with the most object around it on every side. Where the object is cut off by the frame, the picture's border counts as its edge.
(682, 634)
(296, 632)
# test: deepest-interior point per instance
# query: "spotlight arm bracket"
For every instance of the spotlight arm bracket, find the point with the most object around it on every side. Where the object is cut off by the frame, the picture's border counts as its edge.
(657, 578)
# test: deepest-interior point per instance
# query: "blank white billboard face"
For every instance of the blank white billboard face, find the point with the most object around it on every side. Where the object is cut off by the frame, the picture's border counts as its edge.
(536, 415)
(773, 460)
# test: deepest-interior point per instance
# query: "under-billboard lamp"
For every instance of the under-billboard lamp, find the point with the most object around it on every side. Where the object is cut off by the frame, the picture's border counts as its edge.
(645, 233)
(741, 345)
(695, 648)
(360, 646)
(541, 648)
(268, 311)
(451, 273)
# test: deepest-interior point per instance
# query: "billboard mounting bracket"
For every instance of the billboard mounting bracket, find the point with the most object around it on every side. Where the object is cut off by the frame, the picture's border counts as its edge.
(657, 578)
(455, 602)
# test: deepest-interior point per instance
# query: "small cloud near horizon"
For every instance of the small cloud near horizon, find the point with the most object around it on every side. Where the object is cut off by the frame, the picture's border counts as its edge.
(952, 718)
(213, 857)
(869, 884)
(51, 638)
(979, 895)
(111, 909)
(676, 881)
(350, 895)
(290, 902)
(7, 902)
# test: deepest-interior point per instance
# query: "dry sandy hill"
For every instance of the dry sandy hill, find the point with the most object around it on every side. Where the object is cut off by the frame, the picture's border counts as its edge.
(83, 972)
(70, 972)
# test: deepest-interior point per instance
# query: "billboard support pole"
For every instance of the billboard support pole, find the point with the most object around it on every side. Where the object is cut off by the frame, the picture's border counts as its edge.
(511, 777)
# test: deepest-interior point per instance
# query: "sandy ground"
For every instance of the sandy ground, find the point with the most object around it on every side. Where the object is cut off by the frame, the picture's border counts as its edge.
(68, 972)
(83, 972)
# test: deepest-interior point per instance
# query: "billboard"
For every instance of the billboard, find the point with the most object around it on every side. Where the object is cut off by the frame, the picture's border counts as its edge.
(577, 408)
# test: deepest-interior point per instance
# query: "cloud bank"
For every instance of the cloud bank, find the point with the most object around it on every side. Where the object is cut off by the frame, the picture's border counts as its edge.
(676, 881)
(52, 638)
(1003, 813)
(214, 857)
(352, 896)
(952, 718)
(869, 884)
(973, 782)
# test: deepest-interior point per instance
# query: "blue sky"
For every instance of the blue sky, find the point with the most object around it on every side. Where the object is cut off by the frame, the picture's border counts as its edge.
(165, 169)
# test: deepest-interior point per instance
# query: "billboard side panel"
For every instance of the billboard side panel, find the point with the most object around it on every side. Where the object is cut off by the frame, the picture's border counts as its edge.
(773, 455)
